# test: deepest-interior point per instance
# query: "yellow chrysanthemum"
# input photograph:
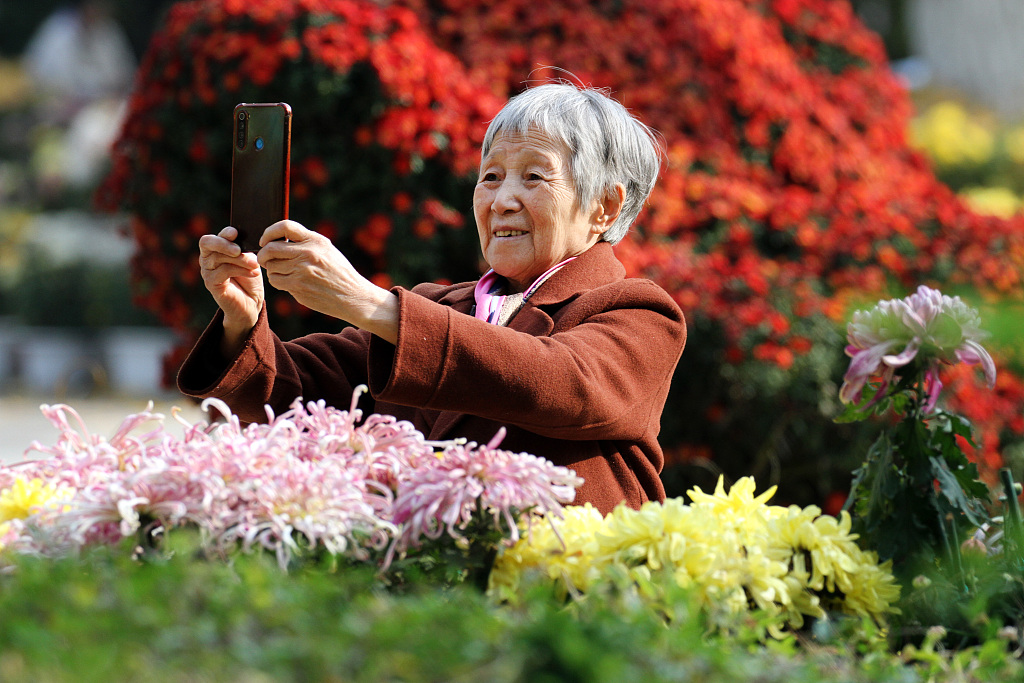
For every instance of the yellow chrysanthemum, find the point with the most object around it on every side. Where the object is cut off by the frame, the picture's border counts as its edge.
(669, 534)
(1014, 142)
(953, 136)
(731, 548)
(719, 555)
(875, 591)
(739, 501)
(824, 539)
(26, 497)
(993, 201)
(803, 602)
(565, 549)
(838, 566)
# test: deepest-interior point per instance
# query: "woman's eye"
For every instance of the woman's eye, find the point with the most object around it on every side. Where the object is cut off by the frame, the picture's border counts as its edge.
(489, 177)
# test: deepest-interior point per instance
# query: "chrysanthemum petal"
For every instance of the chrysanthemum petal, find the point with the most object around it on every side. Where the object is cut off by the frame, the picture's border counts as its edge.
(903, 357)
(974, 353)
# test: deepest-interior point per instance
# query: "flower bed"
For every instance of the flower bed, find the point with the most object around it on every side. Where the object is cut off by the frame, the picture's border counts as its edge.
(975, 153)
(317, 483)
(148, 557)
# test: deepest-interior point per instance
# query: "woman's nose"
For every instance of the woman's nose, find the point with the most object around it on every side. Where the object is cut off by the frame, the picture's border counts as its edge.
(506, 198)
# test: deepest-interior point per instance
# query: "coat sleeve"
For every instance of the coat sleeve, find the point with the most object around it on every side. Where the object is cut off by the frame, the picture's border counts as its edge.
(268, 371)
(602, 372)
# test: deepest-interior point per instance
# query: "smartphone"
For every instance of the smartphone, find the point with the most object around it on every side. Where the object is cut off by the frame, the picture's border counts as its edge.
(260, 168)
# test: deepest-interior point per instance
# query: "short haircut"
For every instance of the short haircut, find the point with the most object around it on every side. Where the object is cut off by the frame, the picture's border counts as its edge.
(607, 145)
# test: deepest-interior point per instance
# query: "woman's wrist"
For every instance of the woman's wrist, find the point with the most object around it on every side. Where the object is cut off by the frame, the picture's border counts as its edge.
(378, 314)
(235, 333)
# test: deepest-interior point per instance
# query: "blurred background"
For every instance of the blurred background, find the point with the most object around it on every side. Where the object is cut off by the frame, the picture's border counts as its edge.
(68, 329)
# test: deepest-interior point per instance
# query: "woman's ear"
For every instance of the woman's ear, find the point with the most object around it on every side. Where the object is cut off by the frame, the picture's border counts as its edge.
(608, 208)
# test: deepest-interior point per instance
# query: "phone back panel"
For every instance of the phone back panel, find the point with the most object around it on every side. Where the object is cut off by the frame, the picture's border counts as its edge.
(260, 167)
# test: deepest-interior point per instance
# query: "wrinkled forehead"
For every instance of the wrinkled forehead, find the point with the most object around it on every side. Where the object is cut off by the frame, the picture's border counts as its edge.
(530, 142)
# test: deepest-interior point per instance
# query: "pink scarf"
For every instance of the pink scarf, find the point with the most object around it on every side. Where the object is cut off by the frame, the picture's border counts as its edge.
(489, 296)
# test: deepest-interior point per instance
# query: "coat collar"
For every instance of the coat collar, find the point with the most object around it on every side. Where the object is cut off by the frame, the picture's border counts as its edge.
(595, 267)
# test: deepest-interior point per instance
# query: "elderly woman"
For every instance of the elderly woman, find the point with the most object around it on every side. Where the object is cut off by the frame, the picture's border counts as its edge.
(553, 343)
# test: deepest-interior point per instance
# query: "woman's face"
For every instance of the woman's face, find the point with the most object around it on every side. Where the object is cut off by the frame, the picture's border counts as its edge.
(525, 208)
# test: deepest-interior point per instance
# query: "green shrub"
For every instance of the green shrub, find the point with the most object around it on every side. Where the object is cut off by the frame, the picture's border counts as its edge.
(104, 617)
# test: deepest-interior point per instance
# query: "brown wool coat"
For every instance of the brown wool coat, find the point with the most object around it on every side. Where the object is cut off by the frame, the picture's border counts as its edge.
(579, 376)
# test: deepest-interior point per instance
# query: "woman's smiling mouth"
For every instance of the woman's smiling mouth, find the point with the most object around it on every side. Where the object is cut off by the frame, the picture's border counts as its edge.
(509, 233)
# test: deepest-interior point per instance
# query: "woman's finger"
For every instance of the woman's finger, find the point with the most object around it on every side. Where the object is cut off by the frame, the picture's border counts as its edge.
(218, 244)
(223, 272)
(285, 230)
(211, 259)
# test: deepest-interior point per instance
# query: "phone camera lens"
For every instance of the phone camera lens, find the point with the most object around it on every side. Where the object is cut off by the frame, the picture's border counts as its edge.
(259, 144)
(242, 130)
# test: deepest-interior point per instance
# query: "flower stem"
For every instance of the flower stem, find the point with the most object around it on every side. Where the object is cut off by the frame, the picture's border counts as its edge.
(1012, 525)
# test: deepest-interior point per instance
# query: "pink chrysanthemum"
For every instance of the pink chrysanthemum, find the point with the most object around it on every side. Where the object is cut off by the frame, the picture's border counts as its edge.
(314, 476)
(926, 326)
(306, 477)
(443, 495)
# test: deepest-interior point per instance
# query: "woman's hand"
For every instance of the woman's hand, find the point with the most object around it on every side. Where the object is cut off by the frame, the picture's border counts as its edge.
(234, 279)
(310, 268)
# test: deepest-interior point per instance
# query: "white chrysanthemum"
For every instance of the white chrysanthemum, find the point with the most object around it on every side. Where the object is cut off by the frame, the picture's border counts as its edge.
(926, 325)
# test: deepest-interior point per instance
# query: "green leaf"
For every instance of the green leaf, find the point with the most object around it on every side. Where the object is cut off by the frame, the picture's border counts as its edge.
(862, 409)
(947, 427)
(960, 501)
(881, 483)
(899, 401)
(852, 412)
(859, 476)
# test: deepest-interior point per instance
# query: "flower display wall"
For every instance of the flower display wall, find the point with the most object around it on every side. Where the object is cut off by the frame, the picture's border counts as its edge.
(387, 131)
(790, 192)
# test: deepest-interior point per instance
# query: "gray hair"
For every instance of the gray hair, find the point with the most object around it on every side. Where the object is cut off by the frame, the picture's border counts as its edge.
(607, 145)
